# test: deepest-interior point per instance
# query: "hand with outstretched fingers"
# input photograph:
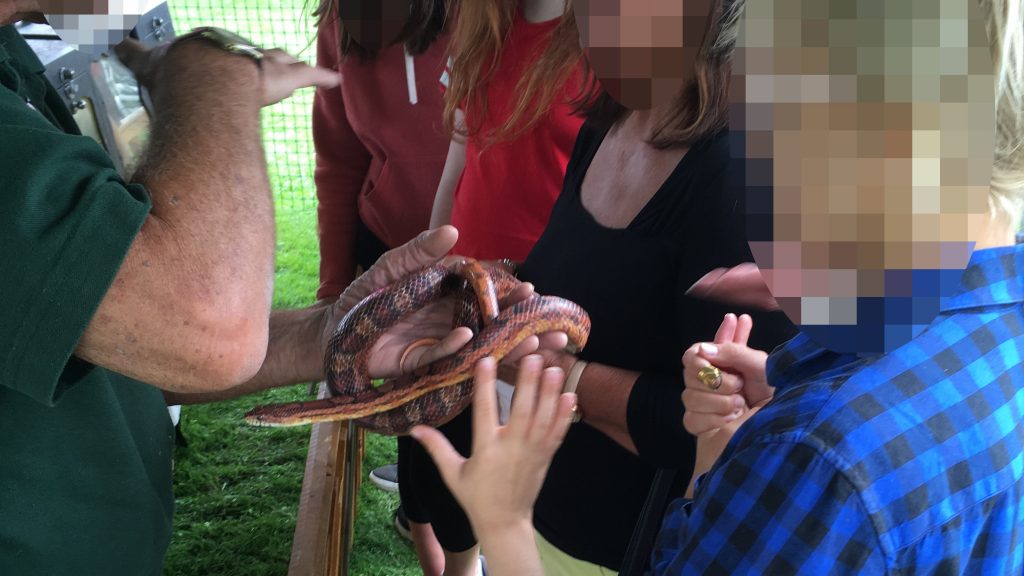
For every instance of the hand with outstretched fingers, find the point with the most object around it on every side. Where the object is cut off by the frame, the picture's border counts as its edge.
(498, 483)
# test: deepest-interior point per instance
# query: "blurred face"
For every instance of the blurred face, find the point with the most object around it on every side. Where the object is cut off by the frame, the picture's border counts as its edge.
(643, 51)
(93, 26)
(868, 136)
(374, 24)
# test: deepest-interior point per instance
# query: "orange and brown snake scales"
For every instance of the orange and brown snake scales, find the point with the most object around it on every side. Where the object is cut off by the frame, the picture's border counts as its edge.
(437, 392)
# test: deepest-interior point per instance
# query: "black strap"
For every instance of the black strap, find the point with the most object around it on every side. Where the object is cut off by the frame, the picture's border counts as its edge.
(638, 553)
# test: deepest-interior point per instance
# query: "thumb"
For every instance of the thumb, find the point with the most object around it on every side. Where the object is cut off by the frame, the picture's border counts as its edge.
(424, 250)
(448, 460)
(448, 345)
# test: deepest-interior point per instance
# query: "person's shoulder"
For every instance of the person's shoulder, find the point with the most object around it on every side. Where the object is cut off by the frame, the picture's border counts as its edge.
(880, 410)
(588, 140)
(913, 442)
(836, 409)
(717, 144)
(708, 161)
(713, 152)
(914, 434)
(807, 378)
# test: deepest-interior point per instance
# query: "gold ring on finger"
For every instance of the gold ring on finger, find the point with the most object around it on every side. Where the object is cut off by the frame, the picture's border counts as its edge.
(710, 376)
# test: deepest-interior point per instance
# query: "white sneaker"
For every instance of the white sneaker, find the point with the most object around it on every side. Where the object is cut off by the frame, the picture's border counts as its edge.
(402, 524)
(385, 478)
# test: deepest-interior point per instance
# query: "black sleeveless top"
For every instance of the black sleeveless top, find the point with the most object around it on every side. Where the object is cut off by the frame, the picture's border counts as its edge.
(631, 281)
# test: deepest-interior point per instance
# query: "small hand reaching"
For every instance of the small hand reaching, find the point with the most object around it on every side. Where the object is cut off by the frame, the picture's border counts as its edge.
(498, 484)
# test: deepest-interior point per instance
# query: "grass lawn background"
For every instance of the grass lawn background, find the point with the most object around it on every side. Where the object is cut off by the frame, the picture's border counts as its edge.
(237, 487)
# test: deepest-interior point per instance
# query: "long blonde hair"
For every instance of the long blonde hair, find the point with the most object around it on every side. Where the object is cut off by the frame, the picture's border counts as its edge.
(1006, 37)
(480, 30)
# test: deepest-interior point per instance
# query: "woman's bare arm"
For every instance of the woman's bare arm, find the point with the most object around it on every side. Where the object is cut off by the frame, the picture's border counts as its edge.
(453, 166)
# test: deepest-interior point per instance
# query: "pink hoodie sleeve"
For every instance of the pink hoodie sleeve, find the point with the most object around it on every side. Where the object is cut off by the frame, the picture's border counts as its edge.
(342, 163)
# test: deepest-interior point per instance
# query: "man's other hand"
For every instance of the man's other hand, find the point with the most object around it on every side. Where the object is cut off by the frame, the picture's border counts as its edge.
(282, 74)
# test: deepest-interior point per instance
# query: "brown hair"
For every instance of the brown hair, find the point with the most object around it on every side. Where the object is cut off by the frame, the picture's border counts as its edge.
(477, 39)
(701, 108)
(427, 20)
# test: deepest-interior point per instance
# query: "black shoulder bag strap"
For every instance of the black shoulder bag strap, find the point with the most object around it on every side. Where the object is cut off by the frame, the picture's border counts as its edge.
(638, 553)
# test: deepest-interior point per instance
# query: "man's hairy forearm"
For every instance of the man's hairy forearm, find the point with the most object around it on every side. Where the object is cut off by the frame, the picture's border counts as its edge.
(206, 173)
(188, 310)
(205, 167)
(293, 356)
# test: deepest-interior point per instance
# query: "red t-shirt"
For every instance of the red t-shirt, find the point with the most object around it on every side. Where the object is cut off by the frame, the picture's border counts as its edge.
(504, 197)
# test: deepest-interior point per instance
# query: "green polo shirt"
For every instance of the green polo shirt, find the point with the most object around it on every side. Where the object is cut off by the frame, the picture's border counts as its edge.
(85, 454)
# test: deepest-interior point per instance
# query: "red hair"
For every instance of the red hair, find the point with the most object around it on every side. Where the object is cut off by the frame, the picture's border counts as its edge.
(480, 30)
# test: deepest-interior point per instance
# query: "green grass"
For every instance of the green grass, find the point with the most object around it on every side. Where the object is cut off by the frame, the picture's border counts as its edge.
(237, 487)
(298, 259)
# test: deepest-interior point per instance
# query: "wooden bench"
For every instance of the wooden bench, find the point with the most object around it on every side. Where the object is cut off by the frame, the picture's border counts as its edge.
(324, 527)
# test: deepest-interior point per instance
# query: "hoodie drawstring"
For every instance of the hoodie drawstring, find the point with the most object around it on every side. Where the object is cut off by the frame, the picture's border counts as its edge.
(410, 77)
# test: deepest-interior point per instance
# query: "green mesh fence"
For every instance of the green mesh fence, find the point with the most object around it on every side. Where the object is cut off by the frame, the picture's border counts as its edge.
(287, 131)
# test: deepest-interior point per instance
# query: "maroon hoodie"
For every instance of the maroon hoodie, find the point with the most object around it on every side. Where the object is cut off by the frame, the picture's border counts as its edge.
(380, 150)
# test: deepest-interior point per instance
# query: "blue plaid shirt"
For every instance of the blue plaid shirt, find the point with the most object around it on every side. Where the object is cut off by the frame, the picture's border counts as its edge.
(912, 462)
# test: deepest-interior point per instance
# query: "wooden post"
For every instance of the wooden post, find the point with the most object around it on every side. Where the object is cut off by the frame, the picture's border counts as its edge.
(327, 505)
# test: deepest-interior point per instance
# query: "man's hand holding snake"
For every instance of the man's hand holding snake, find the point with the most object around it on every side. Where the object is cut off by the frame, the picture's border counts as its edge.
(391, 357)
(401, 349)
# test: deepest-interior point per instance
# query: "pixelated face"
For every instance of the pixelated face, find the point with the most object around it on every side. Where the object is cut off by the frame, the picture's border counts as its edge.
(642, 51)
(866, 130)
(374, 24)
(94, 26)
